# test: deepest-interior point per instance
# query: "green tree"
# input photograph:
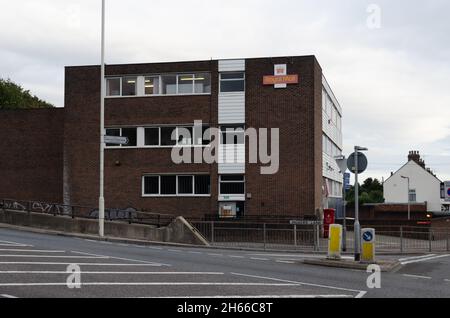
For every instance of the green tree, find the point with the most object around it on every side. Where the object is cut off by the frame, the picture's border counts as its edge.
(13, 96)
(371, 191)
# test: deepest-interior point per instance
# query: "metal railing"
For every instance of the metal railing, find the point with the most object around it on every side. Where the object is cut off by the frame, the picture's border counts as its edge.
(398, 239)
(130, 215)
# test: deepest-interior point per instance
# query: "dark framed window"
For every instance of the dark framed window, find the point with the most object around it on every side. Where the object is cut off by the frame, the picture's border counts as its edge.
(185, 185)
(168, 185)
(151, 185)
(232, 184)
(232, 82)
(129, 86)
(166, 136)
(113, 86)
(202, 184)
(152, 136)
(131, 134)
(112, 132)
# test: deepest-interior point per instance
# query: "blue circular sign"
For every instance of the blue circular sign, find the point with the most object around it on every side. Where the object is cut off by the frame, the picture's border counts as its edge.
(448, 191)
(367, 236)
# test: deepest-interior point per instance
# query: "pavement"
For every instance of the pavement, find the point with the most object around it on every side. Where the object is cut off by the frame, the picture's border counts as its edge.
(43, 265)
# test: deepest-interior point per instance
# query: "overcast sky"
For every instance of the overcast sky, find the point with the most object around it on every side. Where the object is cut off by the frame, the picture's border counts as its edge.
(392, 78)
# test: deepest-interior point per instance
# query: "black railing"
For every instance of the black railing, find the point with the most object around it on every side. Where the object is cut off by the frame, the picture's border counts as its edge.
(130, 215)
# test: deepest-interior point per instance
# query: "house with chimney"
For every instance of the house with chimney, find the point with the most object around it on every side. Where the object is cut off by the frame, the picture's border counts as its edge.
(414, 183)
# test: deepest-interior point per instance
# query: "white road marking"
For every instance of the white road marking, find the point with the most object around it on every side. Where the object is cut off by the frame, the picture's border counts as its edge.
(285, 262)
(424, 259)
(7, 296)
(113, 273)
(415, 257)
(257, 296)
(259, 259)
(197, 253)
(153, 248)
(8, 243)
(176, 251)
(80, 264)
(417, 276)
(119, 258)
(56, 256)
(447, 280)
(294, 256)
(299, 283)
(214, 254)
(235, 256)
(361, 294)
(150, 284)
(30, 251)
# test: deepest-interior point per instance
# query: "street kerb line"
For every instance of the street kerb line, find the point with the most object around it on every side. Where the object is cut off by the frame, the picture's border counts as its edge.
(252, 296)
(30, 251)
(120, 258)
(300, 283)
(55, 256)
(80, 264)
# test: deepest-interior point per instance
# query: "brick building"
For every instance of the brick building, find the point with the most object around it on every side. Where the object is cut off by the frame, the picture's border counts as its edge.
(55, 153)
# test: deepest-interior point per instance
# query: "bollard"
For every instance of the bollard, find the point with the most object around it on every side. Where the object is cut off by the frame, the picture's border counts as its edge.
(368, 246)
(335, 242)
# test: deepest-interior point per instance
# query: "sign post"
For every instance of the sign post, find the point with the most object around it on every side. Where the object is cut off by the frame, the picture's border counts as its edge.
(357, 163)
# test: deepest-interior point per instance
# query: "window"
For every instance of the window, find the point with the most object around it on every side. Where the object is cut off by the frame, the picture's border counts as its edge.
(232, 82)
(232, 135)
(152, 85)
(176, 185)
(185, 184)
(202, 83)
(166, 136)
(113, 132)
(168, 185)
(151, 185)
(202, 184)
(232, 184)
(184, 136)
(185, 84)
(152, 136)
(130, 133)
(412, 195)
(113, 87)
(169, 84)
(129, 86)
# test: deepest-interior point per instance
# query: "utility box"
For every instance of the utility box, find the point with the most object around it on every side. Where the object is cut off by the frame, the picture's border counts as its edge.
(368, 245)
(335, 242)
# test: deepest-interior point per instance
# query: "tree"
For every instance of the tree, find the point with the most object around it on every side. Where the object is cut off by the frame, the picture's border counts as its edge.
(371, 191)
(13, 96)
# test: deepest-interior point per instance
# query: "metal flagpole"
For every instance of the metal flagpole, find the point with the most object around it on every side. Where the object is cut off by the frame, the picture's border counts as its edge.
(101, 200)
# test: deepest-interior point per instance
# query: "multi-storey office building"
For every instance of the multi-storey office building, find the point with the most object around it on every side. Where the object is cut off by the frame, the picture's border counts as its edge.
(154, 105)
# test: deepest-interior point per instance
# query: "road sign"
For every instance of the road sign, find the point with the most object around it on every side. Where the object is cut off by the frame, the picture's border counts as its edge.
(362, 162)
(347, 181)
(368, 245)
(116, 140)
(367, 236)
(305, 222)
(447, 191)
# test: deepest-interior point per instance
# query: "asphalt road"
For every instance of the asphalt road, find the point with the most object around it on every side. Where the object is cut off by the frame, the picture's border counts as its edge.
(36, 265)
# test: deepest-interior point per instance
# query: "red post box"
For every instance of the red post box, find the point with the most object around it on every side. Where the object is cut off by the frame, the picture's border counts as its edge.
(328, 219)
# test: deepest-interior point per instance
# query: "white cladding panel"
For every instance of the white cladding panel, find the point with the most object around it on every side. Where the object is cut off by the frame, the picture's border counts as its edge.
(231, 159)
(330, 168)
(428, 188)
(232, 108)
(231, 65)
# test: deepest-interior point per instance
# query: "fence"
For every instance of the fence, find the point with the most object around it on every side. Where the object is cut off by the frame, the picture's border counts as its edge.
(400, 239)
(130, 215)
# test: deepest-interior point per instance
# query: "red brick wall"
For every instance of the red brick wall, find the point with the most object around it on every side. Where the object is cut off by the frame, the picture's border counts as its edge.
(31, 156)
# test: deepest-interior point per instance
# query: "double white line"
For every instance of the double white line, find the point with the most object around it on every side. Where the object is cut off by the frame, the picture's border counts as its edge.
(423, 258)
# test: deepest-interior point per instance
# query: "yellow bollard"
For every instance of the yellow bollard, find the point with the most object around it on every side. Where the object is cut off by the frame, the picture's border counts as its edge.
(368, 246)
(335, 242)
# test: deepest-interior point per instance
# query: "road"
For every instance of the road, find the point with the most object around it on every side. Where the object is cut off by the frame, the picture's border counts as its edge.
(35, 265)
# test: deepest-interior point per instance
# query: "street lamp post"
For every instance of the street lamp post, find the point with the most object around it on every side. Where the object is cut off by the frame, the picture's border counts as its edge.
(409, 201)
(101, 200)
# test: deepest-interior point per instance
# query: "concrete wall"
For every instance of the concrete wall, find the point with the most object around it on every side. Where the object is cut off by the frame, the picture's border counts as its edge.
(179, 231)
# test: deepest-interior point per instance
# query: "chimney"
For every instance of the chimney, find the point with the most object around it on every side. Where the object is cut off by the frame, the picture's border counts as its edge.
(415, 156)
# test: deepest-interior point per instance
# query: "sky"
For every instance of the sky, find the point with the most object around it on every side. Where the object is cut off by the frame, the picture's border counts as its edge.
(388, 62)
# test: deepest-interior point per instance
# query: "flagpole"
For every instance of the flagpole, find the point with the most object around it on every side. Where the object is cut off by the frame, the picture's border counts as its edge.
(101, 200)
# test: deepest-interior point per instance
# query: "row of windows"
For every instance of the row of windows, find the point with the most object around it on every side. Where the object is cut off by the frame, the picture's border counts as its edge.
(191, 185)
(173, 84)
(184, 136)
(329, 147)
(334, 188)
(330, 109)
